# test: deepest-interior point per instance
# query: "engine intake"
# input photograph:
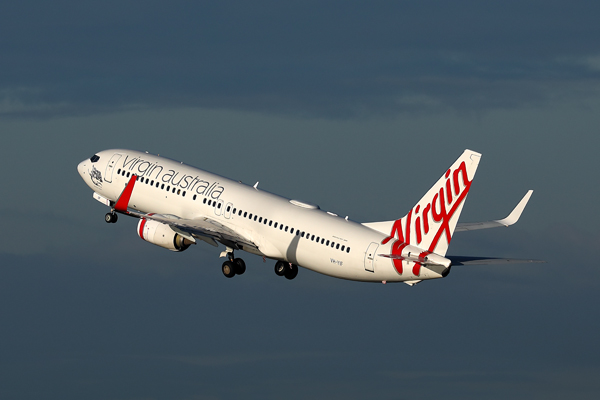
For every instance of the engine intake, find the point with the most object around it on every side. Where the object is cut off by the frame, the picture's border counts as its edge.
(162, 235)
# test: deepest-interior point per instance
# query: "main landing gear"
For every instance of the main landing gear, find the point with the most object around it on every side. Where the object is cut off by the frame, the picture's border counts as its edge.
(111, 217)
(288, 270)
(233, 266)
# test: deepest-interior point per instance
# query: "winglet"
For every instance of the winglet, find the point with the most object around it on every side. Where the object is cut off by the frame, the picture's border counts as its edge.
(514, 216)
(123, 201)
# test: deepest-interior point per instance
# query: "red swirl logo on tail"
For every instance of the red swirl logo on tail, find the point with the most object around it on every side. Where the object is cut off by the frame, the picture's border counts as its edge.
(430, 219)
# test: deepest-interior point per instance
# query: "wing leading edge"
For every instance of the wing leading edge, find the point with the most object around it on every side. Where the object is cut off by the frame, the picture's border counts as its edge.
(204, 228)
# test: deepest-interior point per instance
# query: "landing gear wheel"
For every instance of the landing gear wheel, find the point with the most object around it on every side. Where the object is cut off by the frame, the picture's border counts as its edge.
(239, 266)
(291, 271)
(280, 268)
(228, 269)
(110, 218)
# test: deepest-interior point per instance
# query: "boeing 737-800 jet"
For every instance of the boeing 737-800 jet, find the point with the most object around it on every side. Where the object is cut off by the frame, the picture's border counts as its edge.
(178, 205)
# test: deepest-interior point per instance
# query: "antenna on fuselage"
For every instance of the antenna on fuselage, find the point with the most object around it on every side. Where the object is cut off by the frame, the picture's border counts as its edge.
(256, 186)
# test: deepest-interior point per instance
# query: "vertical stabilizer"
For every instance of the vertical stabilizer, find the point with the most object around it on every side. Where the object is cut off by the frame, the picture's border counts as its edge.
(429, 225)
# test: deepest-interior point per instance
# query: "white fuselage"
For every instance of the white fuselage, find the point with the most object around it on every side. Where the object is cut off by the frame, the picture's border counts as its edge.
(282, 229)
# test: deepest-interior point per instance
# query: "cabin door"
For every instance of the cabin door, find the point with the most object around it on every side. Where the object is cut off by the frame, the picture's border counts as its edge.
(110, 167)
(370, 256)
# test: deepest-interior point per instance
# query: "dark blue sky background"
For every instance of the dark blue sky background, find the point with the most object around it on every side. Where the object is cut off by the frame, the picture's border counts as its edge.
(356, 106)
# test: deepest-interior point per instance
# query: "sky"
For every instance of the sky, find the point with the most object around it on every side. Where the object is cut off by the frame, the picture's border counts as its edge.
(356, 106)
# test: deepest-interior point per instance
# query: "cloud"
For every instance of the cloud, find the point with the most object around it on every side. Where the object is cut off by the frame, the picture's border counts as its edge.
(332, 59)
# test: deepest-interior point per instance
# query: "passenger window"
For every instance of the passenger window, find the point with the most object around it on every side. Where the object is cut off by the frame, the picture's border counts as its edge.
(327, 243)
(271, 223)
(178, 191)
(151, 183)
(194, 198)
(128, 174)
(228, 208)
(302, 234)
(240, 213)
(184, 193)
(312, 237)
(347, 249)
(168, 188)
(219, 206)
(234, 210)
(204, 200)
(245, 213)
(260, 219)
(210, 202)
(119, 171)
(332, 244)
(255, 217)
(162, 186)
(343, 247)
(337, 246)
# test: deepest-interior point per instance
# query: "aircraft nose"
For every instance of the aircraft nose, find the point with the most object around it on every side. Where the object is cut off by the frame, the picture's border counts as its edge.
(82, 168)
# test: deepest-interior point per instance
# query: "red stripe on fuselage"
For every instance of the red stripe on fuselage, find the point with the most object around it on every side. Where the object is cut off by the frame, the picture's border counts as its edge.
(123, 201)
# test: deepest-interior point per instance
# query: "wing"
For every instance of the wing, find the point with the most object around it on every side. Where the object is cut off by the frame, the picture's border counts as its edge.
(512, 218)
(204, 228)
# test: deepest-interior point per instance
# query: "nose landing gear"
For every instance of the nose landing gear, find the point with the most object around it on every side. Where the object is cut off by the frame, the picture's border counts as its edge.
(111, 217)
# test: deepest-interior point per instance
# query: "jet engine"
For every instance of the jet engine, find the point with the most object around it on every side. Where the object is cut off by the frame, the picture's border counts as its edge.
(162, 235)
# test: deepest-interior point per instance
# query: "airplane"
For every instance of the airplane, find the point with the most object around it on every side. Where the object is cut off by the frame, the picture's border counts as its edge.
(178, 205)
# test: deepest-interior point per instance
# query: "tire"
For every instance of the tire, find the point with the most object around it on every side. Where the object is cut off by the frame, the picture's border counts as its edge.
(239, 266)
(228, 269)
(280, 268)
(110, 218)
(291, 272)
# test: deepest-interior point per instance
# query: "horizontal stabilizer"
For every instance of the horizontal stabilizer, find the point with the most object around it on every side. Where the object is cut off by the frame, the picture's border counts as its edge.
(458, 260)
(430, 259)
(512, 218)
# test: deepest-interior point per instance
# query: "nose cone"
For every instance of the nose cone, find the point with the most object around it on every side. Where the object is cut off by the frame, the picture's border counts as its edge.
(82, 168)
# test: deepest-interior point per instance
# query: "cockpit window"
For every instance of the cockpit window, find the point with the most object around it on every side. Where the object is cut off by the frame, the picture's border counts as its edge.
(94, 158)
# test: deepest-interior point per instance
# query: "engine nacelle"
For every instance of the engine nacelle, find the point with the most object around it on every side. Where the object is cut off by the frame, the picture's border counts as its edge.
(162, 235)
